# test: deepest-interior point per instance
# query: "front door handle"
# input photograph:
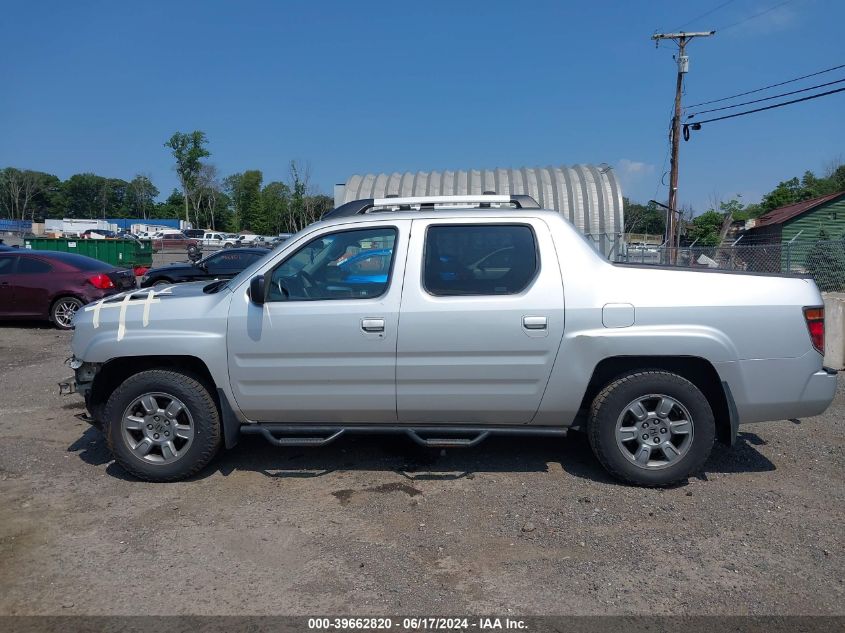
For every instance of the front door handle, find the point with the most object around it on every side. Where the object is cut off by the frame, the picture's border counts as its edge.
(535, 322)
(372, 325)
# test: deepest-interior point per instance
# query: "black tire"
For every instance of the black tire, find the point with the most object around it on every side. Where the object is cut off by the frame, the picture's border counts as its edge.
(227, 245)
(612, 402)
(198, 402)
(59, 312)
(161, 282)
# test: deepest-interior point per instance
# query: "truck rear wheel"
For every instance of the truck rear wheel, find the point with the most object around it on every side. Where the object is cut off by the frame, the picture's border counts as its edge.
(651, 428)
(162, 425)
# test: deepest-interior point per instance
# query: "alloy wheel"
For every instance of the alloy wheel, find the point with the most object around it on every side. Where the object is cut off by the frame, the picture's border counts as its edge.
(158, 428)
(654, 431)
(64, 312)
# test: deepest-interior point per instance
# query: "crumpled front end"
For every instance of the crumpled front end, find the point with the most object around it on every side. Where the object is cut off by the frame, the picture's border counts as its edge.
(143, 329)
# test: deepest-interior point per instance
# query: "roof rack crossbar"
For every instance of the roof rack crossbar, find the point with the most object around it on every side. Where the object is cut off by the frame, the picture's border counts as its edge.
(358, 207)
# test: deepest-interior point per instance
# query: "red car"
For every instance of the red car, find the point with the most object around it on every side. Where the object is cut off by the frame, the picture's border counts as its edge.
(48, 285)
(173, 240)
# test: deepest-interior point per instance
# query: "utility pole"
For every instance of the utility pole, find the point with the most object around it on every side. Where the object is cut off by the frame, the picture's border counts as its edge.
(682, 40)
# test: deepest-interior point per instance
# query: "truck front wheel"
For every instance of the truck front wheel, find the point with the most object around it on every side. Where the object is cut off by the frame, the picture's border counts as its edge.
(651, 428)
(162, 425)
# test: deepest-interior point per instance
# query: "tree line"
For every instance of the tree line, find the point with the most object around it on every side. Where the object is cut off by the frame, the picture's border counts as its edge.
(705, 228)
(242, 201)
(237, 202)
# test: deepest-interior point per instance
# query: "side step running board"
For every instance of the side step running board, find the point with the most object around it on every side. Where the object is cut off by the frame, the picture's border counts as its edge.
(447, 442)
(427, 436)
(290, 440)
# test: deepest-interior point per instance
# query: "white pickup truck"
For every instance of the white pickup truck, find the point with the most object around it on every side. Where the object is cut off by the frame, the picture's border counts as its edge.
(221, 240)
(450, 320)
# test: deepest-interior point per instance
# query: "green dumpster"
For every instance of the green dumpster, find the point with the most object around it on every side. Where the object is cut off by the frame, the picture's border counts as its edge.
(124, 253)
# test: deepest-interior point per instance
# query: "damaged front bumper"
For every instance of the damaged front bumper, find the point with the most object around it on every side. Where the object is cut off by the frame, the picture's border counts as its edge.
(67, 386)
(82, 380)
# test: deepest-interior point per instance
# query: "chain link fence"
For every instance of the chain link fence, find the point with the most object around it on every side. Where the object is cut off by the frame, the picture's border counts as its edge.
(824, 261)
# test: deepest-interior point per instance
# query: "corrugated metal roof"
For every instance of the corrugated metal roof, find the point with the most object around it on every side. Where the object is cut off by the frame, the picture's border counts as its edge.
(587, 195)
(782, 214)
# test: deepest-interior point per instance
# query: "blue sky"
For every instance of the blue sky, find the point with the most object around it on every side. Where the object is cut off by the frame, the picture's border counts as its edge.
(356, 87)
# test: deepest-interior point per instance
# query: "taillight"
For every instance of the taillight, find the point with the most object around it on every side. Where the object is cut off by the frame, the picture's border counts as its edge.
(815, 325)
(101, 281)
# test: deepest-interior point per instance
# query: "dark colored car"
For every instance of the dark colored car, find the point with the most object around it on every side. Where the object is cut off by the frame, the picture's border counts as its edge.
(48, 285)
(91, 233)
(195, 234)
(223, 264)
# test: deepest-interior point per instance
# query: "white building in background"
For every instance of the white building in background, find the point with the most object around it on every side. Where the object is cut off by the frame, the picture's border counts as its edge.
(589, 196)
(73, 227)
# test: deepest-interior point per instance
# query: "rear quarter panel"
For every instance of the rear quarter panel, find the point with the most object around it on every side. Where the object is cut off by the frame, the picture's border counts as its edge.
(727, 319)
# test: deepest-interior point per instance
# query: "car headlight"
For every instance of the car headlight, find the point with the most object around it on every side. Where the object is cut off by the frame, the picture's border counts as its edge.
(145, 278)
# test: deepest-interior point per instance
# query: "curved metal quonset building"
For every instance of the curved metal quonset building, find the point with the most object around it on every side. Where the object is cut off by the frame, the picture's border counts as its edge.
(589, 196)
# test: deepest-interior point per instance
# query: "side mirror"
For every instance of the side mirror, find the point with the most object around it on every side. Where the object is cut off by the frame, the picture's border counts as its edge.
(256, 290)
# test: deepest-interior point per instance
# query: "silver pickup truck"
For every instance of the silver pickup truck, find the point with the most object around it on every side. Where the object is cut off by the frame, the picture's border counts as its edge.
(450, 319)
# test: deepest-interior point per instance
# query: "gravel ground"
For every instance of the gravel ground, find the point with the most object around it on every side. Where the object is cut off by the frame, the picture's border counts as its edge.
(373, 526)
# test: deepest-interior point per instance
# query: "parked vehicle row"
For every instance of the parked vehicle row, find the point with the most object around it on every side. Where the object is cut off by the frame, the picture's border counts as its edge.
(223, 264)
(187, 238)
(53, 286)
(233, 240)
(452, 324)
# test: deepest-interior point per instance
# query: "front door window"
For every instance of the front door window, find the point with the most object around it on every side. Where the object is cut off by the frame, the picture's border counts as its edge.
(344, 265)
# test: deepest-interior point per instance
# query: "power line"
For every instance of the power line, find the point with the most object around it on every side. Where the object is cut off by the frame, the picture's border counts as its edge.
(756, 15)
(782, 83)
(783, 94)
(682, 40)
(704, 15)
(771, 107)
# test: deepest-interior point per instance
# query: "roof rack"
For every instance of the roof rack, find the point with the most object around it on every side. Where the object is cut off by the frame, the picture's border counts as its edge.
(359, 207)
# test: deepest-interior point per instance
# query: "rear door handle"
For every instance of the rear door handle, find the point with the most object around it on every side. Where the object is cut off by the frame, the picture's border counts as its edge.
(535, 322)
(372, 325)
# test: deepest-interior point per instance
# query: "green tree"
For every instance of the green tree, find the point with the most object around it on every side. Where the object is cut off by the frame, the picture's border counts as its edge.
(244, 189)
(705, 228)
(826, 263)
(306, 207)
(188, 150)
(836, 177)
(140, 196)
(641, 218)
(787, 192)
(275, 208)
(26, 194)
(81, 194)
(171, 207)
(47, 201)
(112, 198)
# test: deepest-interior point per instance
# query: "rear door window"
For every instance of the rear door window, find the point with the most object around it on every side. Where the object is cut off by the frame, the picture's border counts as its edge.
(33, 266)
(7, 264)
(481, 259)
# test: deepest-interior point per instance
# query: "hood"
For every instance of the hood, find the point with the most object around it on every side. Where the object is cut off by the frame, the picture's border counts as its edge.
(138, 318)
(173, 291)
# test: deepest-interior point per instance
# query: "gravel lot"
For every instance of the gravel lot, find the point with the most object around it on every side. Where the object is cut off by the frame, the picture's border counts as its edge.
(376, 526)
